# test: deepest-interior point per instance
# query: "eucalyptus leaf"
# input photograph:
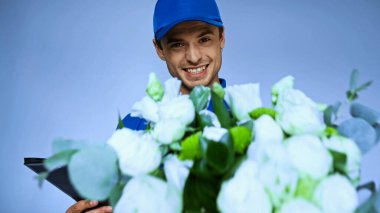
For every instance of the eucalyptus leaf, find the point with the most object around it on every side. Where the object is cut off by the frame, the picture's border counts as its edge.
(377, 129)
(372, 205)
(354, 80)
(221, 111)
(371, 186)
(364, 86)
(41, 177)
(60, 145)
(94, 172)
(59, 160)
(360, 111)
(200, 96)
(359, 131)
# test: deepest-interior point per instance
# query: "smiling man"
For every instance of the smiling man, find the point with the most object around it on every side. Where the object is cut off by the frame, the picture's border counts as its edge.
(189, 37)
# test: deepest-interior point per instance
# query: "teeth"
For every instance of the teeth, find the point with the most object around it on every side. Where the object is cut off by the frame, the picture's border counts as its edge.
(196, 70)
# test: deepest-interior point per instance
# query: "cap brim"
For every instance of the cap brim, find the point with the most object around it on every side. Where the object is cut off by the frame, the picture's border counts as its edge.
(162, 32)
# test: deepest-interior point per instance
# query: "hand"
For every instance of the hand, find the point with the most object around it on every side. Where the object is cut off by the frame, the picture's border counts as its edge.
(83, 205)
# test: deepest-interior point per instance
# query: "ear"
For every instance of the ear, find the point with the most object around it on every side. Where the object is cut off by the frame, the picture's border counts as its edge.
(222, 39)
(159, 50)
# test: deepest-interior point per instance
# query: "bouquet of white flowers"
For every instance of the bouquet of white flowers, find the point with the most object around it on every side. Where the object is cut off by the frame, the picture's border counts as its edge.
(292, 157)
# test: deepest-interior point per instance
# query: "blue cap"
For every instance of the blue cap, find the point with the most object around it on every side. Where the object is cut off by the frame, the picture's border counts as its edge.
(169, 13)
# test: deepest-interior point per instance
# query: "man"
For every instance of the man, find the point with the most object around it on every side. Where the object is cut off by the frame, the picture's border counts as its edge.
(189, 37)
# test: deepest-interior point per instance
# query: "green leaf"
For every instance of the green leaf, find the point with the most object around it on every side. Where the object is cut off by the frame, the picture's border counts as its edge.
(221, 111)
(372, 205)
(377, 129)
(200, 193)
(371, 186)
(154, 88)
(360, 111)
(330, 131)
(241, 138)
(258, 112)
(120, 123)
(218, 89)
(359, 131)
(354, 80)
(239, 159)
(306, 187)
(247, 124)
(364, 86)
(94, 172)
(340, 160)
(331, 113)
(59, 160)
(219, 156)
(60, 145)
(41, 177)
(199, 96)
(116, 193)
(203, 120)
(190, 147)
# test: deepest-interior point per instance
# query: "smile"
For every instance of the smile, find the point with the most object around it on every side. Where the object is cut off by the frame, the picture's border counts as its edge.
(195, 70)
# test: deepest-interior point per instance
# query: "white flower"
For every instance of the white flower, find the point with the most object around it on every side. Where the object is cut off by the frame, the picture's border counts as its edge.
(267, 130)
(301, 119)
(146, 108)
(292, 97)
(248, 169)
(335, 194)
(264, 151)
(180, 108)
(279, 181)
(177, 171)
(214, 133)
(243, 99)
(172, 87)
(299, 205)
(309, 156)
(285, 83)
(352, 151)
(168, 131)
(149, 194)
(243, 194)
(138, 153)
(214, 119)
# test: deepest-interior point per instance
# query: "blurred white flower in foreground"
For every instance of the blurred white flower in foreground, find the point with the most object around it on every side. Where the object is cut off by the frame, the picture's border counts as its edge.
(243, 193)
(309, 156)
(352, 152)
(214, 133)
(242, 99)
(149, 194)
(335, 194)
(299, 205)
(138, 153)
(146, 108)
(267, 130)
(168, 131)
(179, 108)
(282, 85)
(214, 120)
(177, 171)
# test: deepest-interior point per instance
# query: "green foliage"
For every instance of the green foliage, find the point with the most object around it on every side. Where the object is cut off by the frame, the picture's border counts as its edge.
(241, 137)
(116, 193)
(218, 89)
(221, 111)
(41, 177)
(330, 131)
(306, 187)
(59, 160)
(190, 147)
(94, 172)
(372, 204)
(355, 88)
(359, 131)
(339, 161)
(120, 123)
(331, 113)
(154, 89)
(203, 120)
(258, 112)
(199, 96)
(360, 111)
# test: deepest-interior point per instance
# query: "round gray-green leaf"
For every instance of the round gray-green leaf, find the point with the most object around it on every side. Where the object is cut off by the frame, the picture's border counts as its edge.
(360, 111)
(359, 131)
(93, 172)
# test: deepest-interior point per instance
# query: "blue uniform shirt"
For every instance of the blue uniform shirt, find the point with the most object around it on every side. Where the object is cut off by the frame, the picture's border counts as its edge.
(137, 123)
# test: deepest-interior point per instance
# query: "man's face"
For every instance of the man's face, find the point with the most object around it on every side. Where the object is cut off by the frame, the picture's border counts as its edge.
(193, 53)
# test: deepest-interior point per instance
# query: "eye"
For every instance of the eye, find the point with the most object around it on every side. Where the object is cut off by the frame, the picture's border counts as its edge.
(177, 45)
(204, 39)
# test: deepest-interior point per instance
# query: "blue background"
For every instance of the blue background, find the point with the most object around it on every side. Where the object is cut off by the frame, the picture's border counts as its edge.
(68, 67)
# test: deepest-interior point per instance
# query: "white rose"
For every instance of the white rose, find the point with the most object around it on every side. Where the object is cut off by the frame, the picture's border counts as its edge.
(146, 108)
(301, 119)
(179, 108)
(242, 99)
(149, 194)
(248, 169)
(299, 205)
(267, 130)
(177, 171)
(285, 83)
(138, 153)
(352, 151)
(243, 194)
(309, 156)
(168, 131)
(292, 97)
(335, 194)
(214, 119)
(172, 88)
(214, 133)
(264, 151)
(279, 181)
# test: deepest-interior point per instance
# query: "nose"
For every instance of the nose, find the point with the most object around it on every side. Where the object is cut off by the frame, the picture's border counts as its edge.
(193, 54)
